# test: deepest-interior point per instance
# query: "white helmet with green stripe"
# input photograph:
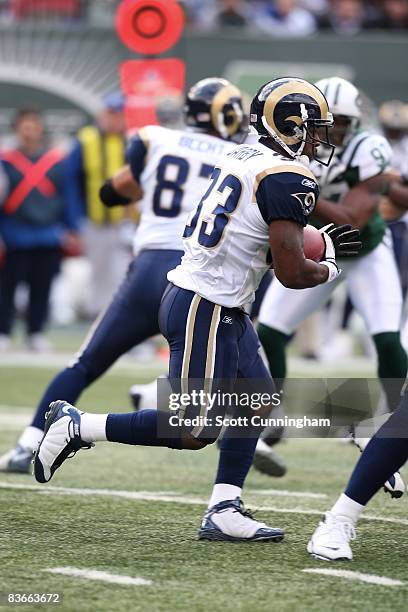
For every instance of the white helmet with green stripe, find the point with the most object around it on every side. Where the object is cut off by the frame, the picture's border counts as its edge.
(344, 101)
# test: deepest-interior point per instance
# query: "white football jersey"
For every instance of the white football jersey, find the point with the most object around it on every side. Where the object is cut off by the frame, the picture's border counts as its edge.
(173, 168)
(366, 155)
(400, 155)
(226, 239)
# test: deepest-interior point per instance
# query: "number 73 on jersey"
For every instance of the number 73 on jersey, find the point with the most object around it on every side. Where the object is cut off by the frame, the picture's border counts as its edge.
(213, 212)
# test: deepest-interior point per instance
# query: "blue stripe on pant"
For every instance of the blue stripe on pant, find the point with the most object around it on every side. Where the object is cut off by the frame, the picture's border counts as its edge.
(131, 318)
(211, 343)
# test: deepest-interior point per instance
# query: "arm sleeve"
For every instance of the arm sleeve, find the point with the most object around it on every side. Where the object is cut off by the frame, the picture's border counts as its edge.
(135, 157)
(286, 195)
(74, 200)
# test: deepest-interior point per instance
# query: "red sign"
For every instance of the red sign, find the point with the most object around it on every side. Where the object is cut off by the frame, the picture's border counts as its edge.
(143, 81)
(149, 26)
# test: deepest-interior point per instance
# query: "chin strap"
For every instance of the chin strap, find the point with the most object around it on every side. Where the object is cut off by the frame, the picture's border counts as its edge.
(282, 144)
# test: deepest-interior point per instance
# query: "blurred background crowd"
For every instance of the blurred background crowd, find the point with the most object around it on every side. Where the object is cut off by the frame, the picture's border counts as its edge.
(271, 17)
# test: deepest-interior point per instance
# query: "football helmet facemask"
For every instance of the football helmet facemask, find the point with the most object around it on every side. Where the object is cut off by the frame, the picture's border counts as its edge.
(293, 113)
(214, 105)
(345, 102)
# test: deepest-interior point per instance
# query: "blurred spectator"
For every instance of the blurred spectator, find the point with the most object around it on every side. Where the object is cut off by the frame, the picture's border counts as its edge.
(98, 152)
(169, 110)
(45, 8)
(393, 16)
(393, 116)
(317, 7)
(344, 17)
(227, 14)
(284, 18)
(196, 10)
(35, 223)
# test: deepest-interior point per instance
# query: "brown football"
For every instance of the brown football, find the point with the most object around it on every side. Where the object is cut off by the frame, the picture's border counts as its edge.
(313, 243)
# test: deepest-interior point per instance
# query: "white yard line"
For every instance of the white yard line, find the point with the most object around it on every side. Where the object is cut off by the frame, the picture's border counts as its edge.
(8, 409)
(285, 493)
(12, 417)
(370, 578)
(165, 496)
(91, 574)
(125, 365)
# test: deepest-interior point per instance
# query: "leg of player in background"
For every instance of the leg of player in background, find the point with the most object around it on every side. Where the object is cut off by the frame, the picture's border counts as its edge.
(384, 455)
(131, 318)
(375, 290)
(282, 311)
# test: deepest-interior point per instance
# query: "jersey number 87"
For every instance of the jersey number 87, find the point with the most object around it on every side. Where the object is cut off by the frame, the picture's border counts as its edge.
(175, 185)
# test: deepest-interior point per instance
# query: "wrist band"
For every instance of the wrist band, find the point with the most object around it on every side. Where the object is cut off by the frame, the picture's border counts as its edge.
(334, 271)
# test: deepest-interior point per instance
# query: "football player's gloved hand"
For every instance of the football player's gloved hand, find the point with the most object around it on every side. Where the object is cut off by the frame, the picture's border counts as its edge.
(341, 241)
(344, 240)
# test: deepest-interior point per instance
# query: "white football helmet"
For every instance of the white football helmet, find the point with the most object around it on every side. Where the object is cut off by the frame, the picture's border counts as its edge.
(344, 101)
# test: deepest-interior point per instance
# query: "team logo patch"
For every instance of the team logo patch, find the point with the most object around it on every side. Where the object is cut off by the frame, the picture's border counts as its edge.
(307, 201)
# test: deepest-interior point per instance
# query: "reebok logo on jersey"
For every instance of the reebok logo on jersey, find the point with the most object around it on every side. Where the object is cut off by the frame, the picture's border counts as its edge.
(227, 320)
(308, 183)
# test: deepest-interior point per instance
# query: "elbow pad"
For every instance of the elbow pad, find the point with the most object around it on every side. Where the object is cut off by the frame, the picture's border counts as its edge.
(110, 197)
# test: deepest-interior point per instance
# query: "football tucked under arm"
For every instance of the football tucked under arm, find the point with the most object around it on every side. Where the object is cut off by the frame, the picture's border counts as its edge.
(313, 243)
(343, 239)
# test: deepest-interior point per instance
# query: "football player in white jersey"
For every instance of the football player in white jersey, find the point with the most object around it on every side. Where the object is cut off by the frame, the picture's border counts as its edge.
(167, 171)
(351, 186)
(257, 203)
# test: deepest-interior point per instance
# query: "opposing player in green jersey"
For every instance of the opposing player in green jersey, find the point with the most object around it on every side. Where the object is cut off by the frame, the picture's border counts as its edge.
(350, 189)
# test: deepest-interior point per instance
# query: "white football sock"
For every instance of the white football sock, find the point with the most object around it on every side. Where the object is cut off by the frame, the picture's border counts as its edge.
(31, 437)
(345, 507)
(222, 492)
(93, 427)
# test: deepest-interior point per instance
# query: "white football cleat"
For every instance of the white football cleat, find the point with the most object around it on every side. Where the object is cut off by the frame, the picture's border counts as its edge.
(395, 486)
(267, 461)
(330, 541)
(18, 460)
(61, 440)
(228, 521)
(145, 396)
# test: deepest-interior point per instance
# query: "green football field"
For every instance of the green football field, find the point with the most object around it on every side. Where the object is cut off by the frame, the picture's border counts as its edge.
(134, 512)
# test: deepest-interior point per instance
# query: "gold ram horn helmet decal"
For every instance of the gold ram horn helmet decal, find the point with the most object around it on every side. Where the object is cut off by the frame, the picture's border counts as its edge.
(287, 87)
(224, 96)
